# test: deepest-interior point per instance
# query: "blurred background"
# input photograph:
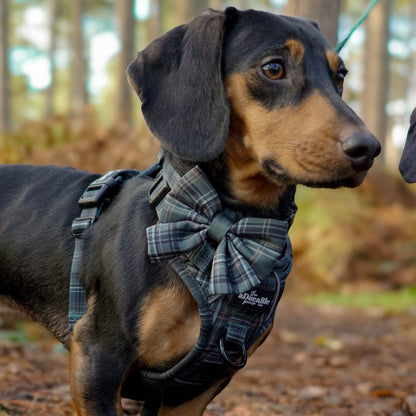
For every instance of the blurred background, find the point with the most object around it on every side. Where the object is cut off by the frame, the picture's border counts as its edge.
(64, 100)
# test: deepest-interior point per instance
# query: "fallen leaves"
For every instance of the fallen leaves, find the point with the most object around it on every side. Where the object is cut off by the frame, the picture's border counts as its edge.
(317, 361)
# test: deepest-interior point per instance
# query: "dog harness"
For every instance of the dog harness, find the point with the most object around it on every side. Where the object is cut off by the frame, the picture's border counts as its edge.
(234, 266)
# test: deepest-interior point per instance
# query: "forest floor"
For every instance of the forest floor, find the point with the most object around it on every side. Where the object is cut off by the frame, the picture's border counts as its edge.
(318, 360)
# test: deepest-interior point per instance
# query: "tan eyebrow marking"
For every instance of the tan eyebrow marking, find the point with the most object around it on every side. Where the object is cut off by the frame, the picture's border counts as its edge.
(333, 60)
(296, 49)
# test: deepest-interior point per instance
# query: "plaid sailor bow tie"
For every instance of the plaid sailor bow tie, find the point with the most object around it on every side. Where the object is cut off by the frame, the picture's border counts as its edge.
(192, 215)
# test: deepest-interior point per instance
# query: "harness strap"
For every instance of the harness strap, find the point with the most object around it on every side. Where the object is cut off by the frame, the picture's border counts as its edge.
(91, 203)
(230, 323)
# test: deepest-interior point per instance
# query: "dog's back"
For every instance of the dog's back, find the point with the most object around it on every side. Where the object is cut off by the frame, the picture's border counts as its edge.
(37, 206)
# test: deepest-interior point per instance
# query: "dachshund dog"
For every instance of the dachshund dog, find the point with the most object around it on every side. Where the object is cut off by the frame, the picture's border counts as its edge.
(251, 98)
(408, 161)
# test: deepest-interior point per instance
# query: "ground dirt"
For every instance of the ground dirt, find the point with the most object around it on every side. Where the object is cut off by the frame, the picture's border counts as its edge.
(318, 360)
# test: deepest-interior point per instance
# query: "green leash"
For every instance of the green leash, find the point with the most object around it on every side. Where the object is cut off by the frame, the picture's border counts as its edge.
(357, 25)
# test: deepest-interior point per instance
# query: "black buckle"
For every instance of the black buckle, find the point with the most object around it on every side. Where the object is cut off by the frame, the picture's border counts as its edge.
(155, 194)
(97, 190)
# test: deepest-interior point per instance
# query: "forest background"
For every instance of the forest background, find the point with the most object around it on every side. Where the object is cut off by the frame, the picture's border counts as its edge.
(64, 100)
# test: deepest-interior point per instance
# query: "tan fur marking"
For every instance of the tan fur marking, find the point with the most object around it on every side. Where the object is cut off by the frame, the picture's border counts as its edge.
(169, 325)
(194, 407)
(296, 49)
(259, 341)
(249, 182)
(305, 140)
(333, 60)
(76, 365)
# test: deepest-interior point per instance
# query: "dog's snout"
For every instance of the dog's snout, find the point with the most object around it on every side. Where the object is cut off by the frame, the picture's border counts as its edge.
(361, 149)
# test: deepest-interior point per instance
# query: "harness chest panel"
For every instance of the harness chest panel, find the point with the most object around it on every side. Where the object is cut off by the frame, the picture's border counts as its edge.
(235, 268)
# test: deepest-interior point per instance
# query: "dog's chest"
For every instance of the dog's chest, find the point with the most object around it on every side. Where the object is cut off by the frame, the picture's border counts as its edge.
(168, 325)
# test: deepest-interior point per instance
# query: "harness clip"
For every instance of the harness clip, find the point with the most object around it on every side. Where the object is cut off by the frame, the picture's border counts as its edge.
(80, 224)
(97, 190)
(158, 190)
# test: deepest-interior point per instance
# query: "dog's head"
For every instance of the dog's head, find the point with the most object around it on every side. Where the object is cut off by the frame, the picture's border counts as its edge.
(264, 91)
(408, 161)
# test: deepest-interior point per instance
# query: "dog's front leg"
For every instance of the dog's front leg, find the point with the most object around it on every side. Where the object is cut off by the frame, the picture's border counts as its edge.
(97, 373)
(197, 405)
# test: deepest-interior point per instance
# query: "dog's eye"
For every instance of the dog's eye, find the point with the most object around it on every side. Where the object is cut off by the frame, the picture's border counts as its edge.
(339, 79)
(273, 70)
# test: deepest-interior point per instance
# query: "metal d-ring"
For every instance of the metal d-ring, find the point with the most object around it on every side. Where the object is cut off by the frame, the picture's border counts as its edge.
(231, 363)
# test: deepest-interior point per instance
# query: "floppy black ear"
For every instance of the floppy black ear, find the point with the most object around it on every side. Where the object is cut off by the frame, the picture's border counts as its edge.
(408, 161)
(178, 78)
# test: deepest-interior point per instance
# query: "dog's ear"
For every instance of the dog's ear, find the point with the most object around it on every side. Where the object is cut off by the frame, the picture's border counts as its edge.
(178, 77)
(408, 161)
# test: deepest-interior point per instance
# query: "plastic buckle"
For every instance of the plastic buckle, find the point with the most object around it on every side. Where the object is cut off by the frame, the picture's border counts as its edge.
(97, 190)
(80, 224)
(158, 190)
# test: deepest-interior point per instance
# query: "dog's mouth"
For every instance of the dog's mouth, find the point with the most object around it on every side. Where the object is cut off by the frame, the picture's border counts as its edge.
(280, 175)
(276, 173)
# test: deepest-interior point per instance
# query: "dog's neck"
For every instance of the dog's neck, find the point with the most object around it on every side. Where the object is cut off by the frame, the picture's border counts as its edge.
(218, 173)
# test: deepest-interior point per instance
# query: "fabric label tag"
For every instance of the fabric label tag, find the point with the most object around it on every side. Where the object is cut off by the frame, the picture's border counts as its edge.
(255, 299)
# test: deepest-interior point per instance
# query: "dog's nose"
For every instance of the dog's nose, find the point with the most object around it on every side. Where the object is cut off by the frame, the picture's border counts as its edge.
(361, 149)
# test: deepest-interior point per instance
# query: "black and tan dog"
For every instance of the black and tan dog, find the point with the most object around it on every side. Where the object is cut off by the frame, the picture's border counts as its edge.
(255, 100)
(408, 160)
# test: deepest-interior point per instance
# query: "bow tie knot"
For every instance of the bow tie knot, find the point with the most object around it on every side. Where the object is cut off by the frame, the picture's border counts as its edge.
(219, 227)
(191, 215)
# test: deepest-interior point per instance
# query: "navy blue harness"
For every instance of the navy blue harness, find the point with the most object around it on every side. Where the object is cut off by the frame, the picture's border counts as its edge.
(230, 323)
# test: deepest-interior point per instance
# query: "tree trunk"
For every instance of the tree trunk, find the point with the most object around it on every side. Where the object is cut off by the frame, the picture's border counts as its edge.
(79, 98)
(411, 92)
(215, 4)
(126, 55)
(155, 23)
(4, 70)
(53, 25)
(187, 9)
(323, 12)
(376, 64)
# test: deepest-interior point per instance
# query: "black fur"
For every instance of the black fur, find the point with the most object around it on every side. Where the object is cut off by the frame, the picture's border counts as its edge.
(180, 84)
(408, 161)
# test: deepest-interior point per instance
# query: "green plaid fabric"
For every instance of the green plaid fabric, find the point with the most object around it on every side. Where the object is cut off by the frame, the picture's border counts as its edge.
(191, 217)
(77, 295)
(91, 204)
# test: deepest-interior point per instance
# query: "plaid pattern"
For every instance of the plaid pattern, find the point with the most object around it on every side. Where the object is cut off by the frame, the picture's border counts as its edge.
(191, 216)
(91, 202)
(241, 248)
(77, 295)
(221, 317)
